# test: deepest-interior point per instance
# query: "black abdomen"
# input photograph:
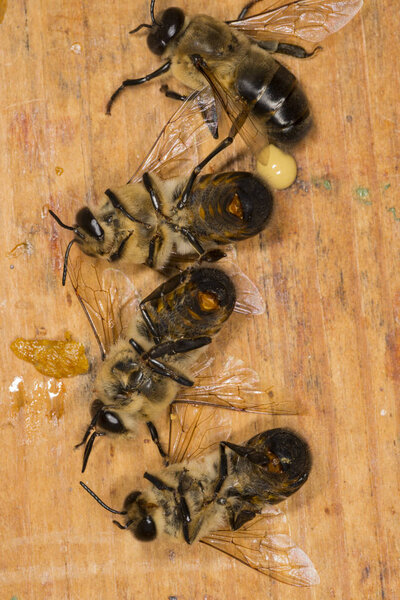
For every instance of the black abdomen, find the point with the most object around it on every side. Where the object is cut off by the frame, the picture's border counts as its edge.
(229, 207)
(279, 100)
(194, 303)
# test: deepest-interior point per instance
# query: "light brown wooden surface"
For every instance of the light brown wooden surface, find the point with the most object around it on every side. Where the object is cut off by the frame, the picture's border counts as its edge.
(330, 339)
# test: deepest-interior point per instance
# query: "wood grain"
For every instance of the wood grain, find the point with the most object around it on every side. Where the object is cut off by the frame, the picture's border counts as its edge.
(329, 340)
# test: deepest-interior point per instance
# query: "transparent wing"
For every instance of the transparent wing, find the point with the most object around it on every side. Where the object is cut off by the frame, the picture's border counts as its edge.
(238, 110)
(108, 298)
(264, 544)
(175, 150)
(308, 20)
(234, 387)
(249, 300)
(195, 431)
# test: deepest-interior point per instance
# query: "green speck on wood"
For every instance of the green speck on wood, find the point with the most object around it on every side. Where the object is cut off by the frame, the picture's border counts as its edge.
(393, 211)
(386, 186)
(320, 181)
(362, 194)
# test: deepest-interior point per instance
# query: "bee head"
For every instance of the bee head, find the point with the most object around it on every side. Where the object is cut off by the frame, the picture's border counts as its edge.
(137, 510)
(169, 24)
(106, 420)
(139, 517)
(87, 230)
(103, 421)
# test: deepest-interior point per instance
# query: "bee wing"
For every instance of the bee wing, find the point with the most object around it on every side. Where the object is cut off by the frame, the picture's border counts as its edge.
(308, 20)
(108, 299)
(264, 544)
(175, 150)
(249, 300)
(238, 111)
(233, 387)
(195, 430)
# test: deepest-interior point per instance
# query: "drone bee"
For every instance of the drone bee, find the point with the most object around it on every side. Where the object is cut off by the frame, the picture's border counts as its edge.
(226, 499)
(150, 356)
(236, 58)
(150, 219)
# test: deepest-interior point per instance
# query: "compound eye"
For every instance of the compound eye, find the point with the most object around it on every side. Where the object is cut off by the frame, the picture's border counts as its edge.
(146, 530)
(110, 422)
(90, 225)
(172, 21)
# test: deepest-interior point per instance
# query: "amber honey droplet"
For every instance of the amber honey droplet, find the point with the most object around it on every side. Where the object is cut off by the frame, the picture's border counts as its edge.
(235, 207)
(52, 357)
(208, 301)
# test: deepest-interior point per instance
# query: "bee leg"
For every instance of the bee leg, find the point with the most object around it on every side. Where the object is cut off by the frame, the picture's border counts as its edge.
(116, 204)
(288, 49)
(159, 367)
(154, 436)
(245, 10)
(149, 323)
(155, 241)
(238, 520)
(162, 369)
(258, 458)
(178, 346)
(129, 82)
(158, 483)
(188, 188)
(164, 89)
(223, 469)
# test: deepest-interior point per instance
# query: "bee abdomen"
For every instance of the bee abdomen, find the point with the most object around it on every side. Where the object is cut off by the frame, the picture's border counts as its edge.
(230, 206)
(280, 101)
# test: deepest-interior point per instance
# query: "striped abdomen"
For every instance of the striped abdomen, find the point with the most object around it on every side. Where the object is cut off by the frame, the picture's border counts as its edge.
(194, 303)
(279, 100)
(228, 207)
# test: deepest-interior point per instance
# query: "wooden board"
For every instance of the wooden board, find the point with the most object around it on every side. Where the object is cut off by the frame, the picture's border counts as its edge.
(329, 340)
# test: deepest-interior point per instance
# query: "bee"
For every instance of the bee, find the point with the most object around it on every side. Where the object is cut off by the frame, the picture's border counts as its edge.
(226, 499)
(236, 58)
(150, 219)
(151, 357)
(145, 369)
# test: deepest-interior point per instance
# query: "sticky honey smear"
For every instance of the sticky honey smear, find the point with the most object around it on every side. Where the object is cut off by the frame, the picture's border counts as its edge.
(52, 357)
(278, 168)
(41, 399)
(3, 8)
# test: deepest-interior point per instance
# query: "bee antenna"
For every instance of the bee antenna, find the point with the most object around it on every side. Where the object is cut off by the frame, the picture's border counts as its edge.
(61, 224)
(66, 256)
(92, 424)
(139, 27)
(88, 448)
(152, 3)
(112, 510)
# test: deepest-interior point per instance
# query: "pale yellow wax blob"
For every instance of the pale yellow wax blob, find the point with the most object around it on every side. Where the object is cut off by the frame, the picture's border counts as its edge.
(276, 167)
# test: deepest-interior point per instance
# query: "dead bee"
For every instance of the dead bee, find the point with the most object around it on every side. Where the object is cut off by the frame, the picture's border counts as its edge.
(225, 499)
(151, 356)
(235, 58)
(150, 219)
(145, 369)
